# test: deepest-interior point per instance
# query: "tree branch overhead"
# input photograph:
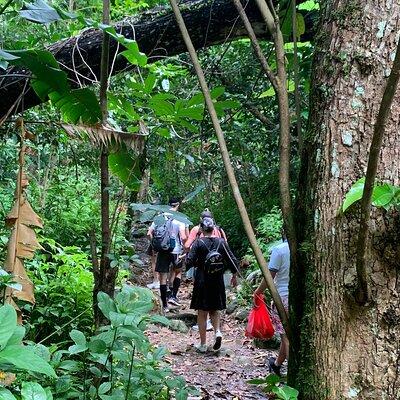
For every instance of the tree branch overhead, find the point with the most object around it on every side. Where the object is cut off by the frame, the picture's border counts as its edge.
(209, 23)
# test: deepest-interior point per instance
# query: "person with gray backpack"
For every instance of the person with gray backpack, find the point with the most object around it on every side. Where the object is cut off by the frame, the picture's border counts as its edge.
(167, 239)
(211, 256)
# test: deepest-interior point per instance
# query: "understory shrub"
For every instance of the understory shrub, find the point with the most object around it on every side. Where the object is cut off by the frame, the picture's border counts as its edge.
(63, 290)
(118, 363)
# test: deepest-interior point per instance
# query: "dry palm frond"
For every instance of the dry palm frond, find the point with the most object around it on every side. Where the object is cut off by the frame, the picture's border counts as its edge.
(105, 135)
(22, 243)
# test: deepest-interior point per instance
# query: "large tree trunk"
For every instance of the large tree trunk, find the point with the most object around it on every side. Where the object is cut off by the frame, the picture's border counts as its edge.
(340, 350)
(209, 22)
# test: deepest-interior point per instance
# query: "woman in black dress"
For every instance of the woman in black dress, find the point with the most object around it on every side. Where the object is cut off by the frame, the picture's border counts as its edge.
(209, 288)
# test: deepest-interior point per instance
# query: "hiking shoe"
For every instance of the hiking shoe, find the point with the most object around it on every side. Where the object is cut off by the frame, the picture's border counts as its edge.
(218, 340)
(154, 285)
(200, 348)
(173, 300)
(208, 328)
(273, 368)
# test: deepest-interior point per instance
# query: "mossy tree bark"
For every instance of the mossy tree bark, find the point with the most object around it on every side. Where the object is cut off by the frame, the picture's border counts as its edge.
(347, 351)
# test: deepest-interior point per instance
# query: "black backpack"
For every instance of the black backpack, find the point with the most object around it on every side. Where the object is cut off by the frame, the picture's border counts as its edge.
(162, 237)
(214, 262)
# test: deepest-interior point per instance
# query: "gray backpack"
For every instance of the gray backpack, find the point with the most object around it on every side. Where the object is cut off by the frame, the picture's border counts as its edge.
(162, 237)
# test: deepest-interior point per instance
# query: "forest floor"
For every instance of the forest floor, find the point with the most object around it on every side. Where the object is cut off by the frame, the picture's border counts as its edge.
(220, 375)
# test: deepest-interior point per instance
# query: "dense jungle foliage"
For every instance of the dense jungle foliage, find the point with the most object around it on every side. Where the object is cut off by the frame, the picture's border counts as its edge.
(173, 153)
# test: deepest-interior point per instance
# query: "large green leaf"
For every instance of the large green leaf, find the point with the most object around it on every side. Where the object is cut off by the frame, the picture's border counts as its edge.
(5, 57)
(8, 324)
(40, 12)
(5, 394)
(354, 194)
(23, 357)
(80, 105)
(47, 74)
(382, 196)
(125, 166)
(33, 391)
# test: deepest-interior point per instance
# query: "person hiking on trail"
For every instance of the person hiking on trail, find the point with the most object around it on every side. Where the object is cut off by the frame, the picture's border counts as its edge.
(211, 256)
(279, 266)
(196, 231)
(168, 239)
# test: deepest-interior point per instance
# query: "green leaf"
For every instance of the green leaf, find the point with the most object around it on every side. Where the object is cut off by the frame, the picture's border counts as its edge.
(354, 194)
(78, 337)
(126, 167)
(301, 25)
(383, 195)
(39, 12)
(4, 58)
(268, 93)
(8, 323)
(5, 394)
(106, 304)
(104, 387)
(149, 83)
(24, 358)
(80, 105)
(33, 391)
(48, 76)
(309, 5)
(217, 92)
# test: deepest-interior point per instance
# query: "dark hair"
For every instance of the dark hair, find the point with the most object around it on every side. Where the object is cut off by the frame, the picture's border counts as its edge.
(207, 224)
(174, 201)
(206, 214)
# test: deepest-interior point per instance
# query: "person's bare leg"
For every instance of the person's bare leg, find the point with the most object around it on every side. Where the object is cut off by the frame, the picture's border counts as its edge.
(215, 317)
(153, 260)
(202, 323)
(283, 351)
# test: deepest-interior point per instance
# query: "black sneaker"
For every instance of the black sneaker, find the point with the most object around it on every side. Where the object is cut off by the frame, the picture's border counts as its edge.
(273, 368)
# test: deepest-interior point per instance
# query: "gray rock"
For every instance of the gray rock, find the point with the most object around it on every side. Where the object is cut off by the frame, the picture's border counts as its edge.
(178, 325)
(242, 314)
(231, 307)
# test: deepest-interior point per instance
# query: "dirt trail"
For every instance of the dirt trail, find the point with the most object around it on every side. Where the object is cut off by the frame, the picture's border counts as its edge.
(221, 375)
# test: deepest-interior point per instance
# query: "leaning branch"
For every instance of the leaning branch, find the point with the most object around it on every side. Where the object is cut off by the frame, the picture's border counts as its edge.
(229, 169)
(362, 293)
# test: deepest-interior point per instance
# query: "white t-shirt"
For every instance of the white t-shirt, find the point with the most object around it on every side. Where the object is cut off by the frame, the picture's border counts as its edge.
(280, 263)
(176, 226)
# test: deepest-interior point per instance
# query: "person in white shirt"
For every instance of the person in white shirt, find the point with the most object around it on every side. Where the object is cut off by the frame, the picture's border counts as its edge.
(170, 261)
(279, 266)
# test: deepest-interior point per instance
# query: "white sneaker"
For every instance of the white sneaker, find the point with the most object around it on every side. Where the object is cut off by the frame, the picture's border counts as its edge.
(154, 285)
(200, 348)
(218, 340)
(165, 310)
(208, 328)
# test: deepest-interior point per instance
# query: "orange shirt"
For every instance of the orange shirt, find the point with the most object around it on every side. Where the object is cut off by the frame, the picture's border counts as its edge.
(193, 235)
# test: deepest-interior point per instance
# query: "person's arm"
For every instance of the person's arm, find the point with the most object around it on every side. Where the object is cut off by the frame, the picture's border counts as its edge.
(182, 233)
(150, 231)
(192, 237)
(273, 266)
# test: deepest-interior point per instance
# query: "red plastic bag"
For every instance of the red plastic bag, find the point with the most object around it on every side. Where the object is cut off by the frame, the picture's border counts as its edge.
(259, 323)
